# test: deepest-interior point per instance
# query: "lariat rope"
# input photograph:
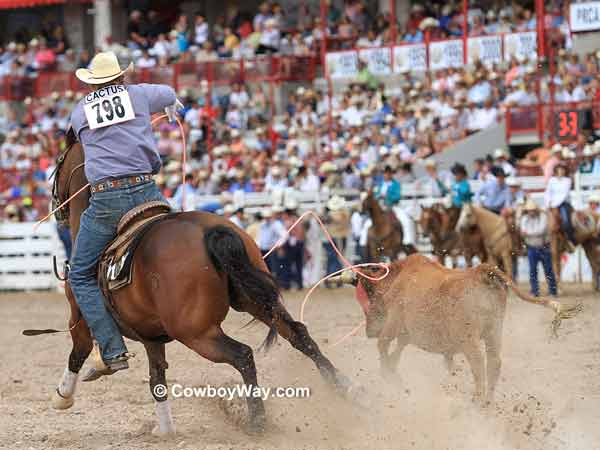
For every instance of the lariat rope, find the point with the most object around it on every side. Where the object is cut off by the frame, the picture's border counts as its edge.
(349, 266)
(279, 243)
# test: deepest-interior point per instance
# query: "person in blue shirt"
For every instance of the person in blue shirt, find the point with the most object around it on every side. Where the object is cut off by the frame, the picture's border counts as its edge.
(461, 189)
(388, 189)
(495, 194)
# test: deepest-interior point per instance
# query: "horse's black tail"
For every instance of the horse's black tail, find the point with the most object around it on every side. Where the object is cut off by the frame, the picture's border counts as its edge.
(229, 256)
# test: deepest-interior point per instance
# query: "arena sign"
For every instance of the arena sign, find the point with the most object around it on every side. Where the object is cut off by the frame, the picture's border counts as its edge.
(585, 16)
(410, 58)
(342, 64)
(446, 54)
(378, 60)
(521, 46)
(384, 61)
(487, 49)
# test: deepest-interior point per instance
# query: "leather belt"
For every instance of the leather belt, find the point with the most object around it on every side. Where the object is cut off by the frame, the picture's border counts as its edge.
(117, 183)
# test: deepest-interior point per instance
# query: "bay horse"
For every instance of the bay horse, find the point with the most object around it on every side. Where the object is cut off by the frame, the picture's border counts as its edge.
(433, 223)
(496, 237)
(188, 270)
(385, 237)
(439, 223)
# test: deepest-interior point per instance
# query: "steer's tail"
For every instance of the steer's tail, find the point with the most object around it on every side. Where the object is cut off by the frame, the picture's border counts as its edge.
(228, 254)
(494, 275)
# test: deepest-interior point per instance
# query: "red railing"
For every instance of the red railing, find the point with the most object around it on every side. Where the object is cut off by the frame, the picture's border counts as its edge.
(557, 121)
(275, 69)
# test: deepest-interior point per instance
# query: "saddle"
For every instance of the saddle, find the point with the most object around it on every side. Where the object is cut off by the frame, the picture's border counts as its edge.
(115, 266)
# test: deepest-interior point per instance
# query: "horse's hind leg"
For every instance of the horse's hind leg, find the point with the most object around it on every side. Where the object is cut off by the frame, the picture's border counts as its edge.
(216, 346)
(297, 335)
(82, 346)
(157, 364)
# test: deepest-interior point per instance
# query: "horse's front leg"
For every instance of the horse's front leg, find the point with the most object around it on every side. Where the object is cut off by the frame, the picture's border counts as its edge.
(82, 346)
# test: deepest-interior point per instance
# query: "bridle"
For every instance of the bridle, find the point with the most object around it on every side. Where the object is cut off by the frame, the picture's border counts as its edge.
(62, 215)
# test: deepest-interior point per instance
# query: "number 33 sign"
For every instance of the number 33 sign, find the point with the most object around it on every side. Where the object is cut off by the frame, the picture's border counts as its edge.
(567, 124)
(108, 106)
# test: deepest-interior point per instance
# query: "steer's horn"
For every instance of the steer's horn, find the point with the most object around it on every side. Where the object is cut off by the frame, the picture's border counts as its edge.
(347, 277)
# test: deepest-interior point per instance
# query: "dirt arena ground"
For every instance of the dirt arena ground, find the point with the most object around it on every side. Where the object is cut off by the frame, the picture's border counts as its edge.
(548, 396)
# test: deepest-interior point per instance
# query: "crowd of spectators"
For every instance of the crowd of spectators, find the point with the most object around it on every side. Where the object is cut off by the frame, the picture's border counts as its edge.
(317, 141)
(153, 39)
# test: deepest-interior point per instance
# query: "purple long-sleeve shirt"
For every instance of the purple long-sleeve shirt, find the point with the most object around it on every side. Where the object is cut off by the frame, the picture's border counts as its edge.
(125, 148)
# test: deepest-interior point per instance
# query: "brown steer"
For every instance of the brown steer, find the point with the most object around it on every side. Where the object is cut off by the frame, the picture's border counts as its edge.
(442, 310)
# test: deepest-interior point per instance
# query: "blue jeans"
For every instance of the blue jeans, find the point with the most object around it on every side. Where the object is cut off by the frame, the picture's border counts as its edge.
(98, 226)
(333, 262)
(565, 210)
(535, 256)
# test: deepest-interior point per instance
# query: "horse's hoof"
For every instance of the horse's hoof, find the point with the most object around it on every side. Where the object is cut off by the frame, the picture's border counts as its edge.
(59, 402)
(166, 432)
(342, 383)
(257, 424)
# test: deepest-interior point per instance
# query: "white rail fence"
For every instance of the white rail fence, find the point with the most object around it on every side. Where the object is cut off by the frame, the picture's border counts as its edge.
(26, 256)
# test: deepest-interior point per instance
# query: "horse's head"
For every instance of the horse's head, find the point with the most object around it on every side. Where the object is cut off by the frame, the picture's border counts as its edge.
(466, 219)
(367, 201)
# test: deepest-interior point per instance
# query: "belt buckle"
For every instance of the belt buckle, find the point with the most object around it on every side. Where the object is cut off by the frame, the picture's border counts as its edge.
(138, 179)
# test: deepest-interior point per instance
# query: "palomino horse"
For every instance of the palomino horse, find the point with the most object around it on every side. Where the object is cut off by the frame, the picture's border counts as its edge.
(189, 269)
(495, 234)
(439, 223)
(385, 237)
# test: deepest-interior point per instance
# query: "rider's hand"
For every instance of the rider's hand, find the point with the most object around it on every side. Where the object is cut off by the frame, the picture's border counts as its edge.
(171, 111)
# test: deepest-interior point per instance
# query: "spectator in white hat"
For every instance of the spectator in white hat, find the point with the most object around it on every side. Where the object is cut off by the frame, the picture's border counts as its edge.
(533, 226)
(501, 160)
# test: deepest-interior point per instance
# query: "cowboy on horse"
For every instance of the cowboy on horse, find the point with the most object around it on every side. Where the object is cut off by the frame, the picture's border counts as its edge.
(113, 125)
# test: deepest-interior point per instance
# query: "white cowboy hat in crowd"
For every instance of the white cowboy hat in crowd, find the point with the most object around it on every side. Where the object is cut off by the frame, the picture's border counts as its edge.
(291, 204)
(500, 153)
(597, 146)
(229, 208)
(430, 162)
(327, 167)
(512, 182)
(556, 148)
(594, 198)
(588, 150)
(530, 205)
(267, 213)
(277, 209)
(336, 203)
(103, 69)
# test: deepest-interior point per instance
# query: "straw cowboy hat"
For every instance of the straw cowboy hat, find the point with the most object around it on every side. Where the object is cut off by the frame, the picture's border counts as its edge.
(103, 68)
(512, 182)
(530, 205)
(594, 198)
(336, 203)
